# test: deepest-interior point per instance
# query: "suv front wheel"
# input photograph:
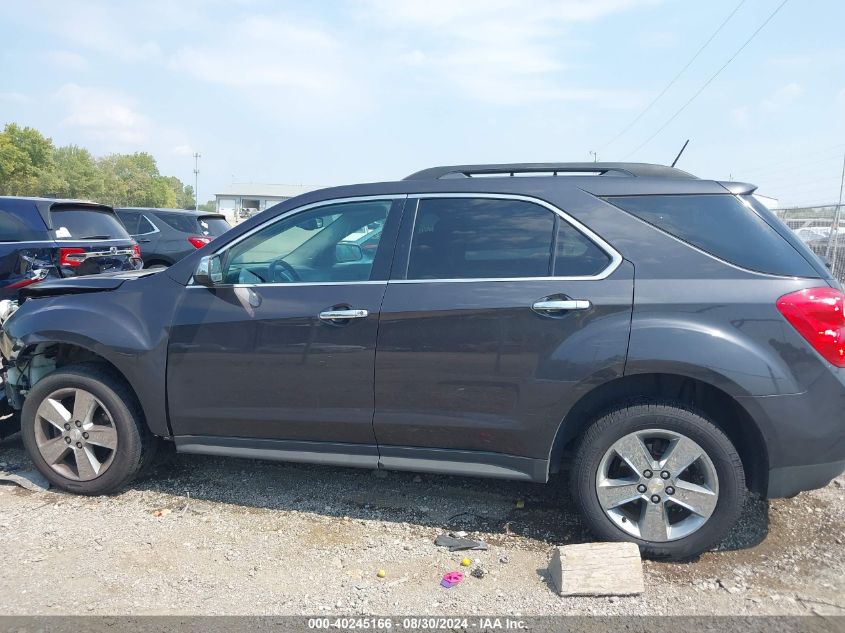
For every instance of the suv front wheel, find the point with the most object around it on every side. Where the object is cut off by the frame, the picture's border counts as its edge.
(82, 427)
(661, 476)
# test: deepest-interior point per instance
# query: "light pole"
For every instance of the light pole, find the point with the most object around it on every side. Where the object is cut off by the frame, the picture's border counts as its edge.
(595, 156)
(197, 156)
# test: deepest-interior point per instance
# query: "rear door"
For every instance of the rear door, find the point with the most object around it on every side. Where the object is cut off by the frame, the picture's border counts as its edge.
(91, 240)
(500, 310)
(142, 230)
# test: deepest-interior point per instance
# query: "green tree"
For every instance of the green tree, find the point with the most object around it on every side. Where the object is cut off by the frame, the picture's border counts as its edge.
(77, 173)
(209, 207)
(184, 193)
(31, 166)
(27, 166)
(133, 180)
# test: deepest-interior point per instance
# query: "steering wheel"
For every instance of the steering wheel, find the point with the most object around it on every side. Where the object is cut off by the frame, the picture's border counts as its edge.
(281, 267)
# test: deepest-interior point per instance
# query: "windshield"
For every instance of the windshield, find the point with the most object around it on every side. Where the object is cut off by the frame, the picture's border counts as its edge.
(86, 223)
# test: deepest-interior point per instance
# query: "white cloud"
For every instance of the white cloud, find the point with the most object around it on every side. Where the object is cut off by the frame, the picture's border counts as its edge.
(103, 115)
(183, 150)
(14, 97)
(782, 97)
(740, 115)
(497, 50)
(285, 66)
(66, 60)
(116, 29)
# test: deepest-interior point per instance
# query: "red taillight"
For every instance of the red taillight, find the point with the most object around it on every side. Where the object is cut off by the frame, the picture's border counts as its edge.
(198, 242)
(817, 315)
(71, 257)
(136, 251)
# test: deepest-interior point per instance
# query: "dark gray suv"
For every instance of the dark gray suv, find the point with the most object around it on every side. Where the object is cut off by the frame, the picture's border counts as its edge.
(665, 339)
(168, 235)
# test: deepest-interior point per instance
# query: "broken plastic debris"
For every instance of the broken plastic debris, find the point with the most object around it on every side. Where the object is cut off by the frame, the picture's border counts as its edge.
(29, 479)
(458, 544)
(520, 503)
(451, 579)
(162, 513)
(466, 562)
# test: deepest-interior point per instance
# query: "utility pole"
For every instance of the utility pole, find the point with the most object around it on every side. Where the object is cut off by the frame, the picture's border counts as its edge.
(595, 156)
(834, 228)
(197, 156)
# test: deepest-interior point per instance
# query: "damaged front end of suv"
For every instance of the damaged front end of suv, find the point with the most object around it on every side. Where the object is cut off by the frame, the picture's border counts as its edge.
(32, 344)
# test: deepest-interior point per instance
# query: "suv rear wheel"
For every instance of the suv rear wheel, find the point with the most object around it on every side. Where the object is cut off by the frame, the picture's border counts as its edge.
(82, 427)
(661, 476)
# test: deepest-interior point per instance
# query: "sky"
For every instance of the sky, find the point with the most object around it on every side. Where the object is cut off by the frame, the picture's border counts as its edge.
(341, 91)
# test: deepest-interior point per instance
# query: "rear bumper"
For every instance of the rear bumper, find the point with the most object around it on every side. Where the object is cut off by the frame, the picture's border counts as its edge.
(789, 481)
(804, 435)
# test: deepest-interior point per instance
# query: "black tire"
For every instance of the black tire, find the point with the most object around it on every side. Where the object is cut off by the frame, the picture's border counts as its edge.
(135, 446)
(672, 417)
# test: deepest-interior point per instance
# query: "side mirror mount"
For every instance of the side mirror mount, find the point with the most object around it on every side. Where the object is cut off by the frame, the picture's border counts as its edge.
(209, 272)
(345, 253)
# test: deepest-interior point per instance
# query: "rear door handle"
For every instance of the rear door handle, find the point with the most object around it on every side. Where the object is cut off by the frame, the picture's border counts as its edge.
(343, 315)
(561, 305)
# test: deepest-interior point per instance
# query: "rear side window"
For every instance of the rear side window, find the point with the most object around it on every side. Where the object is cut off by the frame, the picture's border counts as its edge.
(575, 255)
(184, 223)
(130, 220)
(722, 226)
(476, 238)
(86, 223)
(14, 228)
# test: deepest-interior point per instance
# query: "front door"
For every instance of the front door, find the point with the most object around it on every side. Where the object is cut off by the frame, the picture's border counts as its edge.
(284, 349)
(501, 312)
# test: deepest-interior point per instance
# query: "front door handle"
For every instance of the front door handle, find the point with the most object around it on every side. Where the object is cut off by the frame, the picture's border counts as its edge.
(343, 315)
(561, 305)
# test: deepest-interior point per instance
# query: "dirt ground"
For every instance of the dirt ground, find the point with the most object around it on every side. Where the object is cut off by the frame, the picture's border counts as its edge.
(248, 537)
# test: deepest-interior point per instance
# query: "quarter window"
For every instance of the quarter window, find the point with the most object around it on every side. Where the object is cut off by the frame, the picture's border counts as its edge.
(336, 242)
(722, 225)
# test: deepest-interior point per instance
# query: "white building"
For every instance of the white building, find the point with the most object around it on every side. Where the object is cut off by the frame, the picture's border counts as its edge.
(244, 199)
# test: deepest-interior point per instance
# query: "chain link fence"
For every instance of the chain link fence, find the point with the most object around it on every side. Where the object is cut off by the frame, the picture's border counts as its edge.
(821, 229)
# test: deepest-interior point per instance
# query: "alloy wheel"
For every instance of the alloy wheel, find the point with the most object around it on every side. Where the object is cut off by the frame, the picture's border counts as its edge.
(75, 434)
(657, 485)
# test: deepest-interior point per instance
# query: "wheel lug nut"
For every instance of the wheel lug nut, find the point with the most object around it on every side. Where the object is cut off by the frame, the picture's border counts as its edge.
(665, 474)
(78, 423)
(641, 488)
(67, 439)
(79, 445)
(67, 426)
(670, 490)
(655, 498)
(647, 474)
(85, 435)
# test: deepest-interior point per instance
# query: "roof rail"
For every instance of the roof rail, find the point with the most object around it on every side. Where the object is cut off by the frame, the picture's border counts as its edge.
(550, 169)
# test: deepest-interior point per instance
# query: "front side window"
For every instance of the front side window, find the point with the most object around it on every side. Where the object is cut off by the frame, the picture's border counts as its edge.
(478, 238)
(334, 243)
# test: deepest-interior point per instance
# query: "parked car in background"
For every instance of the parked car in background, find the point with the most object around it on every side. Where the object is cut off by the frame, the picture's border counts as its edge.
(168, 235)
(665, 339)
(44, 238)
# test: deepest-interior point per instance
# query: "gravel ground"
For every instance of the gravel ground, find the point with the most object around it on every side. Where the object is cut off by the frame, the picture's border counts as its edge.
(203, 535)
